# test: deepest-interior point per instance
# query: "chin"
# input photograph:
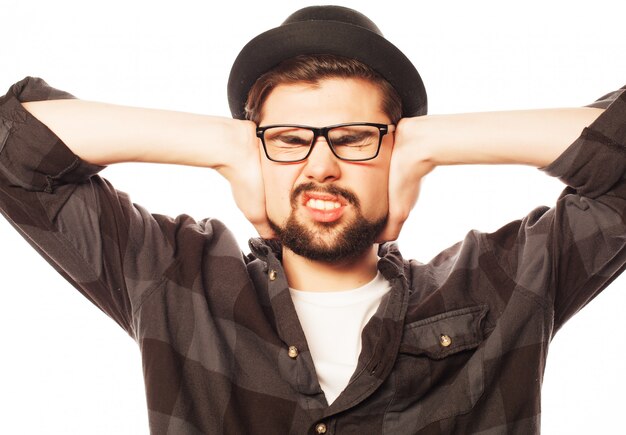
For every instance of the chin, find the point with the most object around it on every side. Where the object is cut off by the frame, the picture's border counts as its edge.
(326, 242)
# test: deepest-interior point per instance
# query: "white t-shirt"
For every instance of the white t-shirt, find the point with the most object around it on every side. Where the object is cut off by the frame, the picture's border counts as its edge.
(332, 324)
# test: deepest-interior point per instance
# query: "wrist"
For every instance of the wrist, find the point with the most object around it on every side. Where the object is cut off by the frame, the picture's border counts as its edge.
(417, 140)
(238, 145)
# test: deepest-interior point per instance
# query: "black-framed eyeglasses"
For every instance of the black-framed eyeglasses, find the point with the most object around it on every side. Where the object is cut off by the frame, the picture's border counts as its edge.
(354, 142)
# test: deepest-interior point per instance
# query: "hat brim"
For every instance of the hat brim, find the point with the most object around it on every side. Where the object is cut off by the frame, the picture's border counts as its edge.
(325, 37)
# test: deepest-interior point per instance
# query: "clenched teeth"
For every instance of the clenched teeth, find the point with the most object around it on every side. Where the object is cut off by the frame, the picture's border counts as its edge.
(320, 204)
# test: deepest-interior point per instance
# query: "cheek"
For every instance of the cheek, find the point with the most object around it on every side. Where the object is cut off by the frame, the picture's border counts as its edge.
(372, 189)
(378, 187)
(380, 197)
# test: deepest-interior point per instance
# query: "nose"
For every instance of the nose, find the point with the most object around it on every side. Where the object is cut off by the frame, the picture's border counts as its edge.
(322, 165)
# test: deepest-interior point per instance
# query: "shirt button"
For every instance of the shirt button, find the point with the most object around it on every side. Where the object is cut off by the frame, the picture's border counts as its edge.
(272, 275)
(445, 340)
(320, 428)
(293, 353)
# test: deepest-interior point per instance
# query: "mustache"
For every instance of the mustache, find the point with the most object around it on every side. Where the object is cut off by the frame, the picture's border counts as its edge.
(330, 189)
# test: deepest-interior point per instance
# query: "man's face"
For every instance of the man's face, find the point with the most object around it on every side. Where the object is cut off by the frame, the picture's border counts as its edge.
(324, 208)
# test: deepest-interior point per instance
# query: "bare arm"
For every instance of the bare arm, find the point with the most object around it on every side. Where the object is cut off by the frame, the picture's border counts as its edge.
(529, 137)
(104, 134)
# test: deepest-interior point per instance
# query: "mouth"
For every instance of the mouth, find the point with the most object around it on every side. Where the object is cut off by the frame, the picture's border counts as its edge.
(323, 207)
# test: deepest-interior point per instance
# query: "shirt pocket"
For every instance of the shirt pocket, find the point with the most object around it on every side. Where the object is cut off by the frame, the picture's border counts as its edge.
(439, 372)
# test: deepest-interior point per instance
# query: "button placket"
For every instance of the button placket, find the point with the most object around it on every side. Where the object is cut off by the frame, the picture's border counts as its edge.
(293, 352)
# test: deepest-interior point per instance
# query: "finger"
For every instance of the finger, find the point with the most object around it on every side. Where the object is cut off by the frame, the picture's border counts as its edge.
(265, 231)
(401, 202)
(256, 214)
(391, 231)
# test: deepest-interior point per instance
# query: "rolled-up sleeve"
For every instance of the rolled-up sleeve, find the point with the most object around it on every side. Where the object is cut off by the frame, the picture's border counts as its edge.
(31, 156)
(570, 252)
(589, 228)
(112, 250)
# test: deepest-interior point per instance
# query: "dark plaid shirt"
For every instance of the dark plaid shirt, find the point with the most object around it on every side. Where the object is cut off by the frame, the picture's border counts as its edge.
(457, 346)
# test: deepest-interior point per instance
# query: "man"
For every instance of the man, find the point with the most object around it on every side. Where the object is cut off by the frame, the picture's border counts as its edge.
(458, 321)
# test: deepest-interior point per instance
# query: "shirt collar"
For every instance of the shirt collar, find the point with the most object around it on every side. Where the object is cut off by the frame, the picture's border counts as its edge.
(391, 263)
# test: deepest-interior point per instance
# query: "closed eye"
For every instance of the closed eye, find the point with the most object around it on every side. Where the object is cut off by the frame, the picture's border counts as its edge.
(288, 139)
(355, 139)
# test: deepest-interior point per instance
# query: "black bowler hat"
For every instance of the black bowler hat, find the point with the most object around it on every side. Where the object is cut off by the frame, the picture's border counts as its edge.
(326, 30)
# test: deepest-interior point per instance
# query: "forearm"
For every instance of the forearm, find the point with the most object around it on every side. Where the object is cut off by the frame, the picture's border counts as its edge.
(530, 137)
(33, 159)
(104, 133)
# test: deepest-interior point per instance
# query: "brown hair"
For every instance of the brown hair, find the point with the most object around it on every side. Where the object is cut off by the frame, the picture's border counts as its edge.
(313, 68)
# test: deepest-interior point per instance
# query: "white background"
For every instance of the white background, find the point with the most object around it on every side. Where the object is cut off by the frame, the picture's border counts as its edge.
(65, 368)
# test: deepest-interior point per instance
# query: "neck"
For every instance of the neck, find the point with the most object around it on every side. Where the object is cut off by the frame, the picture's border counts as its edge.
(305, 274)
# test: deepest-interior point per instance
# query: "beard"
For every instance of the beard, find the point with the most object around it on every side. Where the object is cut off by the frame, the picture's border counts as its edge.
(328, 241)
